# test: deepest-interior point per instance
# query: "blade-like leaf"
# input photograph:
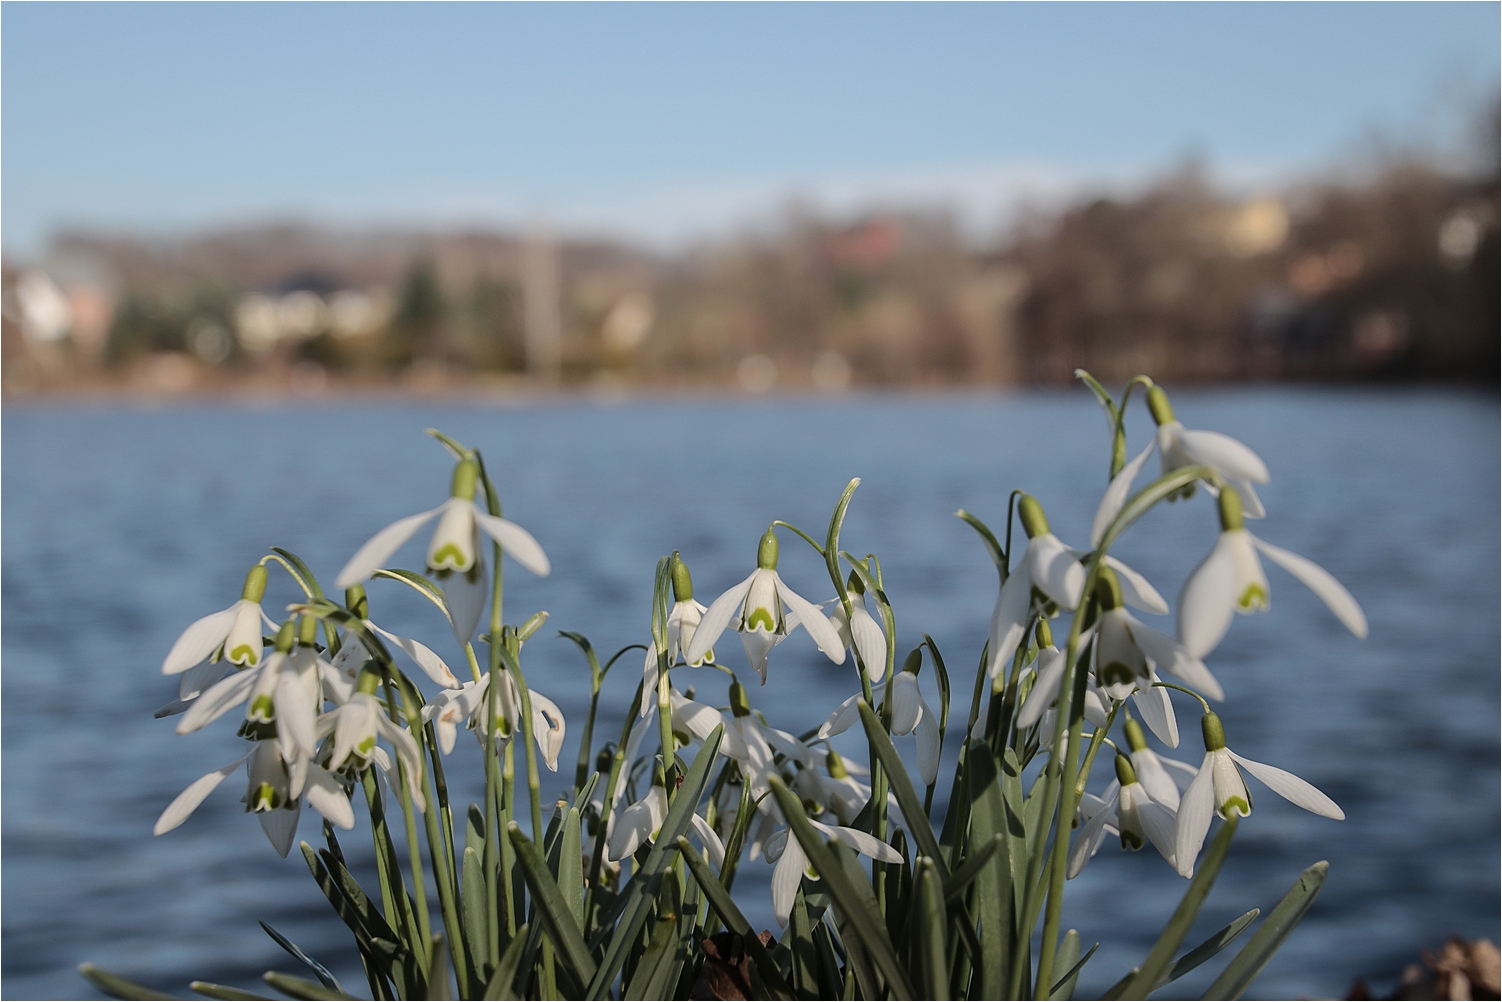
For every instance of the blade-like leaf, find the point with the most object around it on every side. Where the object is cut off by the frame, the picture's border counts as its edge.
(640, 893)
(655, 961)
(420, 584)
(117, 987)
(974, 863)
(902, 788)
(551, 905)
(853, 899)
(210, 990)
(326, 978)
(476, 917)
(503, 981)
(932, 918)
(1177, 928)
(458, 451)
(1209, 947)
(300, 570)
(1064, 987)
(301, 988)
(734, 920)
(993, 899)
(1246, 965)
(993, 545)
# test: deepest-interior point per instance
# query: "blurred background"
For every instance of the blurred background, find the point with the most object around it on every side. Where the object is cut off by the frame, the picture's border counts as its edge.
(227, 199)
(679, 270)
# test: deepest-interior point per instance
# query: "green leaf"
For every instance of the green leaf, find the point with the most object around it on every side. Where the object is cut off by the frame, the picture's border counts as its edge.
(325, 978)
(654, 963)
(974, 863)
(555, 911)
(1146, 978)
(994, 895)
(1199, 954)
(831, 549)
(458, 451)
(424, 586)
(1107, 403)
(210, 990)
(301, 988)
(638, 896)
(300, 570)
(933, 917)
(503, 981)
(1150, 495)
(476, 914)
(1246, 965)
(853, 898)
(571, 865)
(117, 987)
(734, 920)
(993, 545)
(532, 625)
(1069, 953)
(438, 970)
(902, 787)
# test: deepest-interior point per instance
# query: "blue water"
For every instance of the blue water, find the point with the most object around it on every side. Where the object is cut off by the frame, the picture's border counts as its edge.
(122, 524)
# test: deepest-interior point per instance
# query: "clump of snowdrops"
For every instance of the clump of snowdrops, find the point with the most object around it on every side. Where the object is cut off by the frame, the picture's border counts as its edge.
(624, 887)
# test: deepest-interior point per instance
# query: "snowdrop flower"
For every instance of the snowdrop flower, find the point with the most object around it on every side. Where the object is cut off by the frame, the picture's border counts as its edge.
(1131, 813)
(285, 694)
(784, 849)
(911, 714)
(431, 664)
(1219, 789)
(1238, 466)
(237, 630)
(356, 725)
(861, 633)
(1164, 779)
(1049, 671)
(839, 793)
(754, 608)
(470, 705)
(273, 793)
(683, 619)
(698, 720)
(1231, 580)
(454, 552)
(642, 822)
(1049, 573)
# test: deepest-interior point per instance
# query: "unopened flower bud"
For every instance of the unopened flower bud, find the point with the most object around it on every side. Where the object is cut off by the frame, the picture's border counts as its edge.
(766, 553)
(683, 584)
(1158, 405)
(1230, 510)
(1124, 771)
(1034, 522)
(914, 661)
(284, 637)
(740, 705)
(465, 473)
(356, 601)
(255, 584)
(1108, 590)
(1214, 732)
(1136, 740)
(855, 584)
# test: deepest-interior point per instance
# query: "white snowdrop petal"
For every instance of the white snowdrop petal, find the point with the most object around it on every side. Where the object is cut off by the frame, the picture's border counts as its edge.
(1233, 459)
(432, 665)
(465, 594)
(1292, 789)
(1158, 824)
(326, 794)
(187, 802)
(862, 842)
(1251, 504)
(786, 877)
(218, 699)
(1088, 839)
(370, 557)
(280, 826)
(1045, 688)
(199, 640)
(1171, 656)
(1155, 778)
(907, 703)
(548, 728)
(869, 642)
(758, 644)
(516, 542)
(927, 733)
(716, 618)
(713, 847)
(1116, 494)
(841, 720)
(1208, 600)
(815, 622)
(1136, 590)
(1193, 821)
(1321, 582)
(295, 715)
(1055, 570)
(1157, 713)
(1009, 621)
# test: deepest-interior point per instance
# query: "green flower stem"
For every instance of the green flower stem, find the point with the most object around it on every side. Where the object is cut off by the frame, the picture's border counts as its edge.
(414, 847)
(665, 724)
(534, 783)
(597, 862)
(1096, 740)
(448, 883)
(492, 849)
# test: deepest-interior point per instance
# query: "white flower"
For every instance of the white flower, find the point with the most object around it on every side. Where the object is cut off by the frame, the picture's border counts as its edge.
(1178, 447)
(862, 633)
(470, 704)
(683, 619)
(355, 726)
(787, 852)
(274, 793)
(454, 552)
(755, 609)
(642, 821)
(1219, 789)
(911, 714)
(1163, 778)
(1129, 811)
(284, 692)
(1049, 670)
(237, 630)
(1231, 580)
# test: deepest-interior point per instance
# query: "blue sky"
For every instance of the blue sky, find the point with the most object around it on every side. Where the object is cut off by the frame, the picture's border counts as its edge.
(663, 121)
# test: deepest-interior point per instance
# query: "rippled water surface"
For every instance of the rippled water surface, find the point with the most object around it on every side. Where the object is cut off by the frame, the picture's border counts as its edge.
(123, 524)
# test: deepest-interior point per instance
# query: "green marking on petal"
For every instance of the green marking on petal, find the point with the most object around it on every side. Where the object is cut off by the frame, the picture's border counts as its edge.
(261, 708)
(265, 798)
(366, 747)
(1116, 673)
(1129, 840)
(1237, 804)
(1254, 599)
(449, 556)
(244, 655)
(763, 618)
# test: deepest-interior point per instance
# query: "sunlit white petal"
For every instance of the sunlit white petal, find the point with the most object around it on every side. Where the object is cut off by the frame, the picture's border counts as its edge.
(1291, 788)
(378, 549)
(199, 640)
(1321, 582)
(516, 543)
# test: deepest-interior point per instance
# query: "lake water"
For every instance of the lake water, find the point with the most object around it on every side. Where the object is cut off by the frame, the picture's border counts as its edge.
(122, 524)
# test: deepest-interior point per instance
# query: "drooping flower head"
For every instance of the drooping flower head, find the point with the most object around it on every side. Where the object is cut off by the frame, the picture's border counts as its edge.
(860, 632)
(1050, 574)
(236, 631)
(764, 610)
